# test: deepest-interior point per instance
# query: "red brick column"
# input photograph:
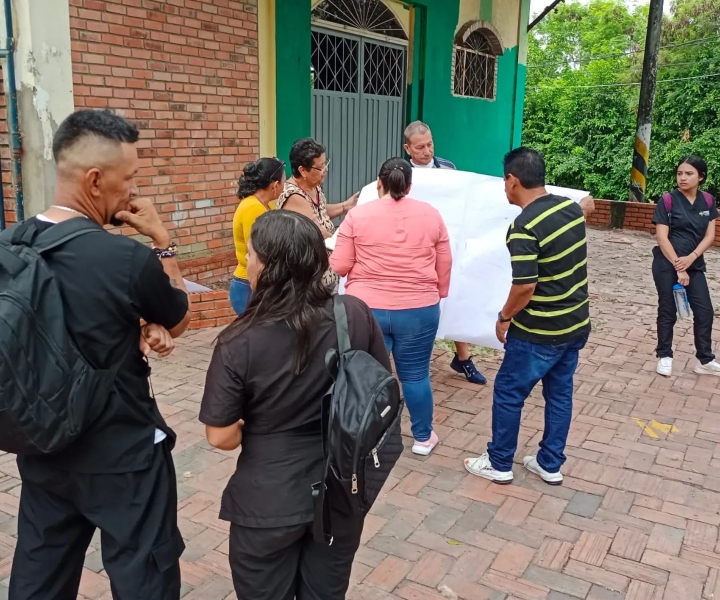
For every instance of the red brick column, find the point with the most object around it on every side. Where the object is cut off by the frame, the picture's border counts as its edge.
(636, 216)
(211, 309)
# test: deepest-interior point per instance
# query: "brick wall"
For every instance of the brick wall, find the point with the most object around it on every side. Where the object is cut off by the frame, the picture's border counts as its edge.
(186, 71)
(636, 216)
(8, 197)
(211, 309)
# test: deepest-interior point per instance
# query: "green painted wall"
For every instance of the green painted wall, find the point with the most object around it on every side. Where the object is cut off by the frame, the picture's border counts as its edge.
(475, 134)
(486, 10)
(521, 76)
(294, 92)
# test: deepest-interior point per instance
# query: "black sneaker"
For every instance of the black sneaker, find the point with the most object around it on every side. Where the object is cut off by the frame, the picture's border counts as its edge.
(468, 368)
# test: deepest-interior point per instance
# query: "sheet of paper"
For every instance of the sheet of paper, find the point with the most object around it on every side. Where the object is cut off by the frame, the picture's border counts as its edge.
(477, 215)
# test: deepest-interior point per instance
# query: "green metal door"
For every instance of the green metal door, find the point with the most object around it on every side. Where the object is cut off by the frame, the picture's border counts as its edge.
(358, 103)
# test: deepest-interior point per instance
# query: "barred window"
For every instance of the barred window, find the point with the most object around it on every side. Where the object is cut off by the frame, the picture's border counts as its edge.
(367, 15)
(475, 61)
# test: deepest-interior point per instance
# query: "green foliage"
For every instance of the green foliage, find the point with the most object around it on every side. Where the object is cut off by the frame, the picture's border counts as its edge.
(580, 110)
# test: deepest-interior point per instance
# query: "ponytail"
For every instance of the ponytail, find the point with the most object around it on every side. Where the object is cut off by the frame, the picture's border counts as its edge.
(396, 177)
(258, 175)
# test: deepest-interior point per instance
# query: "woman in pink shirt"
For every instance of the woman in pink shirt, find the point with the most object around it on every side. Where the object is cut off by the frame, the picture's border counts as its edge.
(396, 254)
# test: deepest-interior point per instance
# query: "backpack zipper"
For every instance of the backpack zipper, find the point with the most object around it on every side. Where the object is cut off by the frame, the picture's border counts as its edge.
(383, 439)
(366, 416)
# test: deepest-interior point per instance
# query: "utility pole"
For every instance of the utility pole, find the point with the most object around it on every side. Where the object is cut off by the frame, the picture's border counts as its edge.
(638, 185)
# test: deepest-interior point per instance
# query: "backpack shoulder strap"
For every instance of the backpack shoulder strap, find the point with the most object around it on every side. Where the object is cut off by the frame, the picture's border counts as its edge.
(667, 199)
(709, 199)
(341, 324)
(63, 232)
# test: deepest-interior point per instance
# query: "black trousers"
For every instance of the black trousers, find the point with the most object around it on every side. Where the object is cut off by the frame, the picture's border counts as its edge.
(698, 294)
(285, 563)
(137, 517)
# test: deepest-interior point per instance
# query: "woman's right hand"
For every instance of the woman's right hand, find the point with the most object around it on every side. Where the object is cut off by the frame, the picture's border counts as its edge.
(683, 278)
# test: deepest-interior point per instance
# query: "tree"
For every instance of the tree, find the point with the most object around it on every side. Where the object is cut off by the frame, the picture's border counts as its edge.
(584, 64)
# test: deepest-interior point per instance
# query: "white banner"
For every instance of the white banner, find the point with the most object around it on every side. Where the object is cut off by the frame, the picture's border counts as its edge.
(477, 215)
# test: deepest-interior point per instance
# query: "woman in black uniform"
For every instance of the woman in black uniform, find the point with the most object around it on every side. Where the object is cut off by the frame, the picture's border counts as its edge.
(685, 226)
(264, 388)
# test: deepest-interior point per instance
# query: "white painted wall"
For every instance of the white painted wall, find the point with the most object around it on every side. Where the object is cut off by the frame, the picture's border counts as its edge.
(43, 66)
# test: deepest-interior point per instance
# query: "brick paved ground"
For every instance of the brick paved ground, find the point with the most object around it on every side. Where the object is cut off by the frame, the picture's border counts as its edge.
(637, 517)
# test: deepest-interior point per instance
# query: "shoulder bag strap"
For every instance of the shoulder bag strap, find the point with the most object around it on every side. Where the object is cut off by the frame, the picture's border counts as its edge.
(341, 324)
(63, 232)
(709, 199)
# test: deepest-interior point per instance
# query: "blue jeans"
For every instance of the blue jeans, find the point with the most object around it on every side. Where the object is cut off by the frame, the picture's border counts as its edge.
(410, 337)
(240, 294)
(524, 365)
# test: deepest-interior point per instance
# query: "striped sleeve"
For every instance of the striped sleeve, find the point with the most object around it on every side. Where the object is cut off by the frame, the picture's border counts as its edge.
(524, 248)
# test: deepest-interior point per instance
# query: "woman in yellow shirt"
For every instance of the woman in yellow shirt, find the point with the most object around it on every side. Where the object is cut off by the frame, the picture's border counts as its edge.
(261, 183)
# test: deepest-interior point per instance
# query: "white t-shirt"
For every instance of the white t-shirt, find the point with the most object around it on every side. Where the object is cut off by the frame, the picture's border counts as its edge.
(430, 165)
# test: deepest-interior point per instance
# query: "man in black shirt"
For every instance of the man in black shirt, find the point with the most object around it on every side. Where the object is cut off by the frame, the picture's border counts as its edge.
(544, 323)
(119, 475)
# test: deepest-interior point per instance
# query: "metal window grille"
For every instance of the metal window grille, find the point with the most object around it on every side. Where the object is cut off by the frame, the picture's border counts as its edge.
(383, 70)
(335, 63)
(366, 15)
(475, 68)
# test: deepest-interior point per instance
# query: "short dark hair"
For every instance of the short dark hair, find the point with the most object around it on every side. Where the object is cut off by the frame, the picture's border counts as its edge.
(396, 177)
(698, 162)
(303, 154)
(527, 165)
(101, 123)
(258, 175)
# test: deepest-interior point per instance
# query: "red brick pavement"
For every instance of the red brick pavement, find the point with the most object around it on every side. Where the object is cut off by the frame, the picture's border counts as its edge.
(636, 518)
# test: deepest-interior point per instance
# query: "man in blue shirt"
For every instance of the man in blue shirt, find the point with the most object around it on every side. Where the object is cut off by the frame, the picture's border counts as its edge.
(419, 145)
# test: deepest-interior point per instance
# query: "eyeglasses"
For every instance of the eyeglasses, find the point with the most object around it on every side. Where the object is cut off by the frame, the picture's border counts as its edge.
(323, 169)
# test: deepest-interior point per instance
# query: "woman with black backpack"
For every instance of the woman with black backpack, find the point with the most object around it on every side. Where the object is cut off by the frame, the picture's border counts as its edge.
(685, 229)
(265, 388)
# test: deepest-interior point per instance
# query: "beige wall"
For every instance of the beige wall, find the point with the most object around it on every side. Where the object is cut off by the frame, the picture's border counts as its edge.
(267, 64)
(504, 18)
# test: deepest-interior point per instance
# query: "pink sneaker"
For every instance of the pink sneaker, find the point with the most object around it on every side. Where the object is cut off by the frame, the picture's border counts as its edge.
(425, 448)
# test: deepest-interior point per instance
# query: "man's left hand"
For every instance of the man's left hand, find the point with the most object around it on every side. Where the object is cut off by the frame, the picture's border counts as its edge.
(156, 338)
(587, 204)
(501, 330)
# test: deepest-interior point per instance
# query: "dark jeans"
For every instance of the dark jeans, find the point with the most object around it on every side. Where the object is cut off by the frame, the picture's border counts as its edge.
(285, 563)
(698, 295)
(525, 364)
(137, 517)
(240, 294)
(410, 338)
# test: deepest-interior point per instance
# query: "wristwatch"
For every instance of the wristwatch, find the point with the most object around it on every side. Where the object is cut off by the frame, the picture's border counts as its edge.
(501, 319)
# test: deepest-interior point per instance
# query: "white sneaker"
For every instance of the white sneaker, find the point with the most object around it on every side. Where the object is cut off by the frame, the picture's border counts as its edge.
(664, 367)
(532, 465)
(711, 368)
(425, 448)
(482, 467)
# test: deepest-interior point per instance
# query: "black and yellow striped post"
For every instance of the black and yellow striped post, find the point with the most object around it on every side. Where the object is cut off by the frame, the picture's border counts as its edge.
(641, 156)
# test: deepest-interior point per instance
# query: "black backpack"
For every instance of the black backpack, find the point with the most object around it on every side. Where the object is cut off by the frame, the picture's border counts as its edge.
(48, 393)
(361, 432)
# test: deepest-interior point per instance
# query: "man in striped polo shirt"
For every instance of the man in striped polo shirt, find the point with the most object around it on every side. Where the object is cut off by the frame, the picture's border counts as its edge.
(544, 323)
